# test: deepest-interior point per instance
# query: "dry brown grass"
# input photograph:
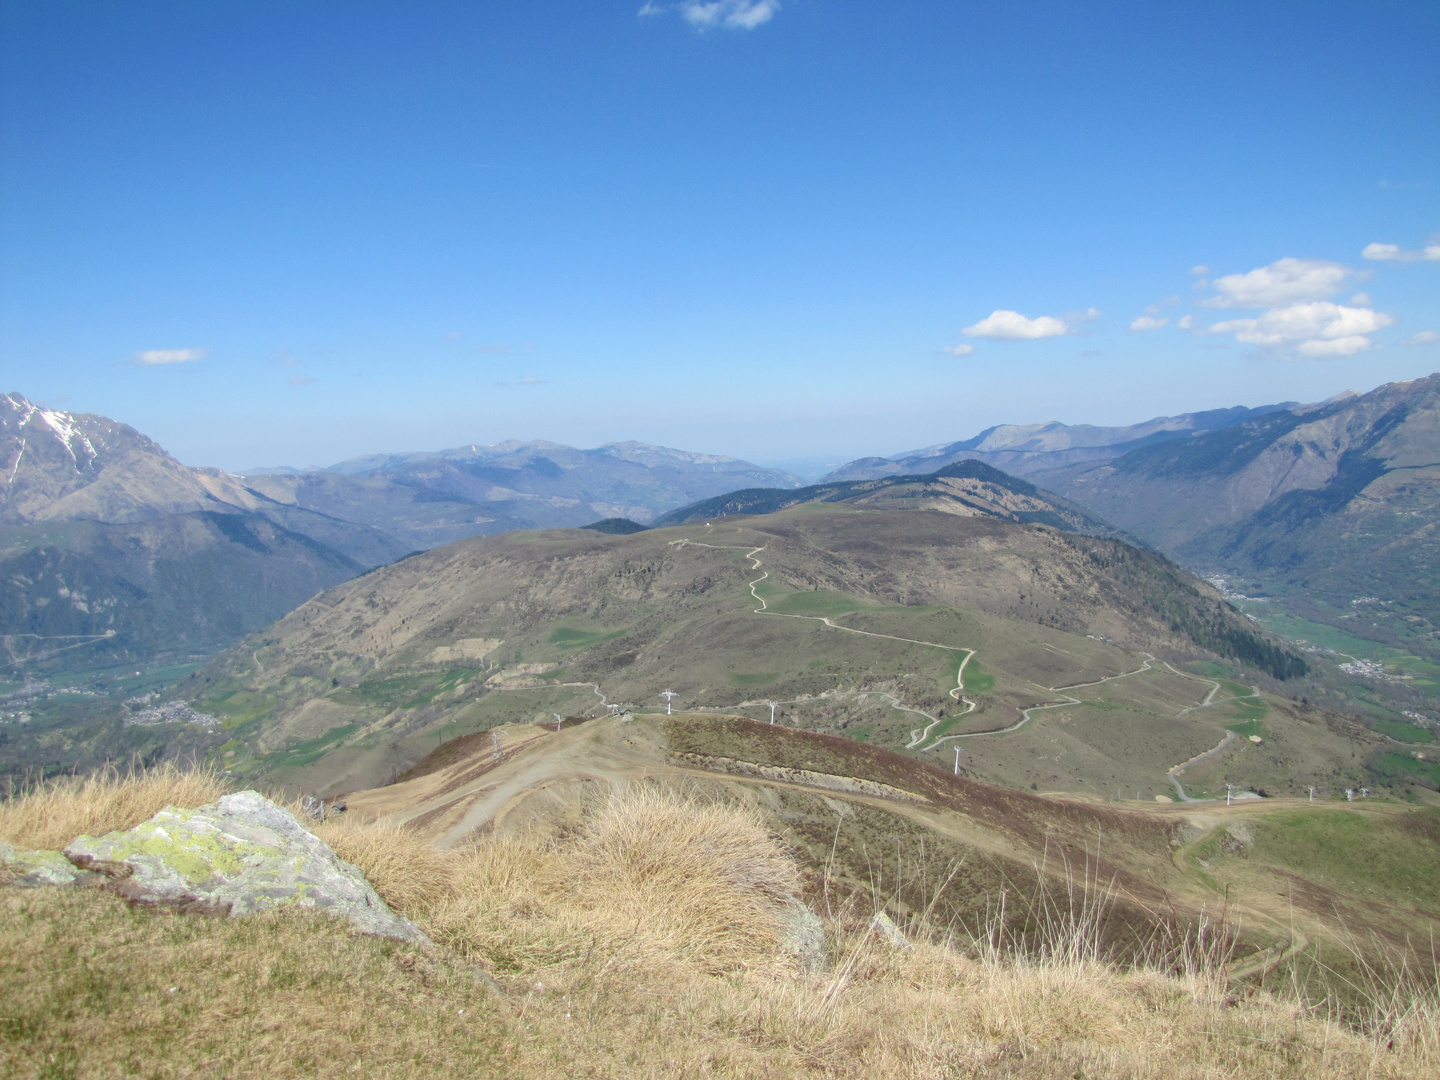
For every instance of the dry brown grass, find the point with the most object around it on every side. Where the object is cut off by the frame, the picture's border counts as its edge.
(51, 814)
(641, 944)
(650, 875)
(95, 988)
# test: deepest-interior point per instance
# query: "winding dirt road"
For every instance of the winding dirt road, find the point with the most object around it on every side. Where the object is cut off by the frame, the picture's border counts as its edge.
(917, 735)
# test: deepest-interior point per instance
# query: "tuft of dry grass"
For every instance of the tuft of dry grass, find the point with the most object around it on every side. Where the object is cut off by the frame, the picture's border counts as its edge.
(650, 876)
(705, 873)
(409, 875)
(51, 814)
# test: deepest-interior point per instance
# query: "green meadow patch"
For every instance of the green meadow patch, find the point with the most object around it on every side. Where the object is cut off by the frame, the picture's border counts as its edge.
(309, 751)
(568, 637)
(817, 604)
(1402, 732)
(1406, 767)
(1396, 855)
(1246, 728)
(977, 679)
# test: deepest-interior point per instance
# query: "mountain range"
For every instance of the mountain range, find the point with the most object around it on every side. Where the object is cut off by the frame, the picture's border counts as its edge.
(110, 544)
(112, 549)
(428, 499)
(966, 488)
(1334, 505)
(1024, 449)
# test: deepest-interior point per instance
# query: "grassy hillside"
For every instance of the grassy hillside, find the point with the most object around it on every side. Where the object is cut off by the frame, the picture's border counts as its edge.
(853, 621)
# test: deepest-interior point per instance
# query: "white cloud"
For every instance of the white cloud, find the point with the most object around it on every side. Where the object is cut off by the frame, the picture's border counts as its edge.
(1148, 322)
(301, 380)
(959, 350)
(532, 380)
(1285, 281)
(1187, 322)
(1004, 325)
(154, 357)
(1345, 346)
(709, 14)
(1361, 299)
(1424, 337)
(1315, 329)
(1200, 271)
(1393, 252)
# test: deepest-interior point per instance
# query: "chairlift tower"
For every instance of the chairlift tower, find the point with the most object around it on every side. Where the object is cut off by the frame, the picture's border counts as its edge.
(958, 752)
(772, 712)
(667, 695)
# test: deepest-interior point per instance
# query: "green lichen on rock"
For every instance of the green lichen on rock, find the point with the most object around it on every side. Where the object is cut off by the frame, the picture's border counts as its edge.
(241, 855)
(197, 852)
(31, 869)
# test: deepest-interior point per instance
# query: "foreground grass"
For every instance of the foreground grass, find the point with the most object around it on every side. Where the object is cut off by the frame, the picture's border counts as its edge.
(641, 941)
(97, 989)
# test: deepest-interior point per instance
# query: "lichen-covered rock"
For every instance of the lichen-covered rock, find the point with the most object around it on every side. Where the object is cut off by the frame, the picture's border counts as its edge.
(802, 935)
(32, 869)
(1238, 838)
(243, 854)
(886, 930)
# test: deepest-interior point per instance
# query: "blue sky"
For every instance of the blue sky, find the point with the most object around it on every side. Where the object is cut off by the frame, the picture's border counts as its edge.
(270, 233)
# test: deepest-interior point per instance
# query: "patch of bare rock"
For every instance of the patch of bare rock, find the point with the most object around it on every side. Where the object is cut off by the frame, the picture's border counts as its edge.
(243, 854)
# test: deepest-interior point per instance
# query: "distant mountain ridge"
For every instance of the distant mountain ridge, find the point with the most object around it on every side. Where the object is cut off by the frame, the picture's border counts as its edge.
(966, 488)
(637, 452)
(1023, 449)
(62, 466)
(430, 498)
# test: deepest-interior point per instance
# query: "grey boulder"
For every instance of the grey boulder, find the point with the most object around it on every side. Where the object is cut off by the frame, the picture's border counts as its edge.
(244, 854)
